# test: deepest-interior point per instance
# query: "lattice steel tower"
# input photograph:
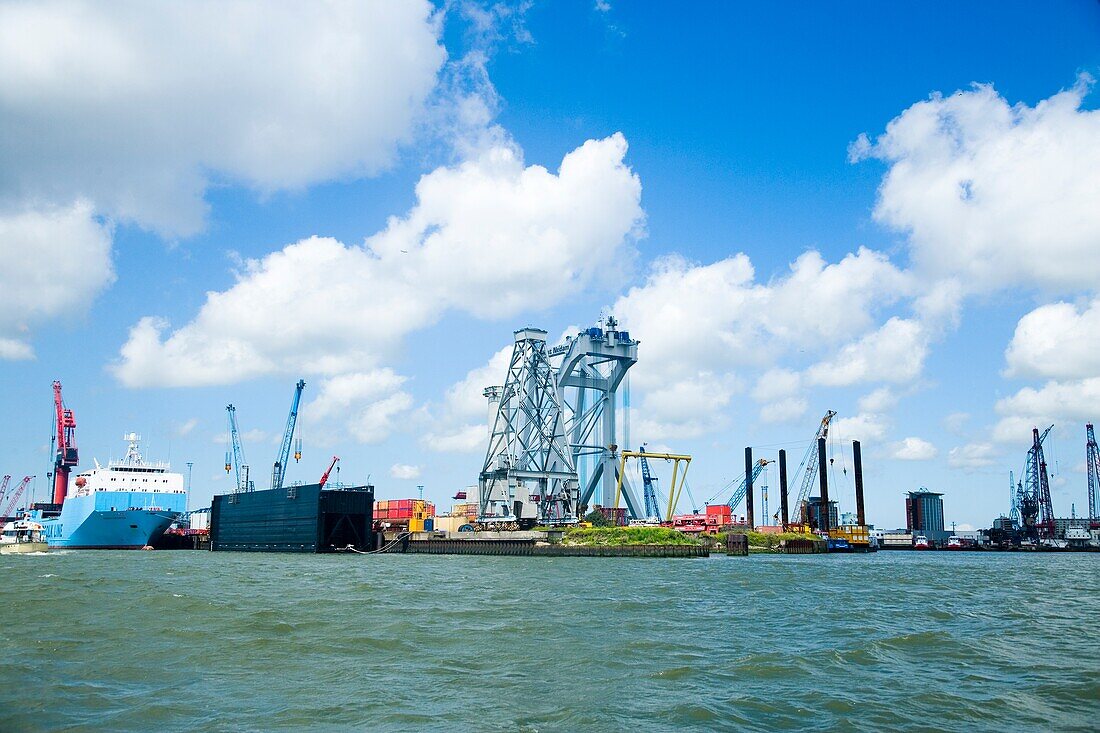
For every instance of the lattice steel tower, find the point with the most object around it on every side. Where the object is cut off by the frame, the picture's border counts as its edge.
(529, 474)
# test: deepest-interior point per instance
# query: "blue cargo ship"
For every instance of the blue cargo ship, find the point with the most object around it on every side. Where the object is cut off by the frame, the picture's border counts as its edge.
(126, 505)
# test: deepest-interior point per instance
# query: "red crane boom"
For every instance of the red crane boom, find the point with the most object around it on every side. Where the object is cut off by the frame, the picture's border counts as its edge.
(324, 478)
(15, 498)
(66, 457)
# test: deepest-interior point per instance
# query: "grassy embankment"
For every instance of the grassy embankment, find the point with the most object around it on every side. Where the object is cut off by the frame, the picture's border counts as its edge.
(760, 542)
(614, 536)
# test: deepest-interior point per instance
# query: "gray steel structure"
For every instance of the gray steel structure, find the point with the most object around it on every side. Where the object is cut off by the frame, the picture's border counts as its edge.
(592, 367)
(529, 474)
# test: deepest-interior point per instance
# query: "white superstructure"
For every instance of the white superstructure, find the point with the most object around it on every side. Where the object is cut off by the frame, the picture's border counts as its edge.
(131, 474)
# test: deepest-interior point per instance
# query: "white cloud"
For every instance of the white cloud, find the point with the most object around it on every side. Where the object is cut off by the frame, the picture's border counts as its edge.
(913, 449)
(879, 400)
(462, 439)
(450, 428)
(365, 406)
(1057, 340)
(1054, 402)
(994, 194)
(54, 261)
(972, 456)
(185, 428)
(491, 237)
(700, 324)
(404, 471)
(777, 384)
(862, 427)
(893, 353)
(954, 422)
(139, 107)
(786, 410)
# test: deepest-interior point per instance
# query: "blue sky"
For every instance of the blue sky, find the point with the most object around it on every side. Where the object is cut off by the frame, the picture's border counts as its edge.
(143, 167)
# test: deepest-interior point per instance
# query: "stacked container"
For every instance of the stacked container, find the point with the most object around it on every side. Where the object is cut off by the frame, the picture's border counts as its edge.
(415, 514)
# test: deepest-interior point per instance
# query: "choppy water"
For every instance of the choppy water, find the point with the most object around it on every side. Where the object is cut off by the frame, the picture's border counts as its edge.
(147, 641)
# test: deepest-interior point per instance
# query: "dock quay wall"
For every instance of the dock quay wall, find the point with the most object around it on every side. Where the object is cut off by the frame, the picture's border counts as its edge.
(530, 548)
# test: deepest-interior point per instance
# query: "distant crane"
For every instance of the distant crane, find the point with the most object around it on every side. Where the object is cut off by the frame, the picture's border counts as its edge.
(16, 496)
(1092, 461)
(279, 470)
(1014, 511)
(238, 464)
(1033, 493)
(324, 476)
(742, 487)
(809, 462)
(66, 457)
(652, 508)
(4, 488)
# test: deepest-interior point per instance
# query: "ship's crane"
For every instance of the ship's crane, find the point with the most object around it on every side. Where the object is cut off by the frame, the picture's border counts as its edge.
(66, 457)
(238, 464)
(16, 496)
(278, 472)
(4, 488)
(742, 488)
(324, 476)
(1092, 461)
(809, 463)
(1033, 494)
(652, 508)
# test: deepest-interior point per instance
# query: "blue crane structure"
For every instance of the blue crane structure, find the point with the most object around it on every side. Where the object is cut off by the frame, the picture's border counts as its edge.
(278, 472)
(652, 508)
(742, 486)
(809, 463)
(238, 464)
(1092, 461)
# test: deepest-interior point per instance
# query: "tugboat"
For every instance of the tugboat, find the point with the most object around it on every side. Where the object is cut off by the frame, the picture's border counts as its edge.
(22, 536)
(920, 542)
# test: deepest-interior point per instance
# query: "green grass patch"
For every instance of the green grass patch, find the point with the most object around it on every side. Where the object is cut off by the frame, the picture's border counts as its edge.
(764, 541)
(614, 536)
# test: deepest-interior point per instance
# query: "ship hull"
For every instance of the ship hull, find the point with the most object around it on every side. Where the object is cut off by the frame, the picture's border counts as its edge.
(110, 521)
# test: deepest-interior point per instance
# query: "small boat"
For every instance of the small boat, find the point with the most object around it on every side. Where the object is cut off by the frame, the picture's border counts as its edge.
(20, 536)
(920, 542)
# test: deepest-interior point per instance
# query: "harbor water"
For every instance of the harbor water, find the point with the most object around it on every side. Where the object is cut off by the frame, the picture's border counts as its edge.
(141, 641)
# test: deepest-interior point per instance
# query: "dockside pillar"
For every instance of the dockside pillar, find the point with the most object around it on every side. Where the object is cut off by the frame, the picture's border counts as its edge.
(823, 475)
(857, 459)
(749, 518)
(783, 488)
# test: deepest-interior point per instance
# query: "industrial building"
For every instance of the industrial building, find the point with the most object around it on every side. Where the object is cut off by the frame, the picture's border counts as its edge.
(815, 509)
(924, 515)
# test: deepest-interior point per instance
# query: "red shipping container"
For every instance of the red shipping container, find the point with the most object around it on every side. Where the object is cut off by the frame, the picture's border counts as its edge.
(719, 509)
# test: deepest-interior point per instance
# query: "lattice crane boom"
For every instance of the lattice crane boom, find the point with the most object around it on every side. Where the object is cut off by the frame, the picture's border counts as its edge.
(4, 488)
(809, 462)
(239, 466)
(278, 472)
(1092, 461)
(16, 496)
(652, 508)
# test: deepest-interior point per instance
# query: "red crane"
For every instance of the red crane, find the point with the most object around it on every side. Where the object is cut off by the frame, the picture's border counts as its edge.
(324, 478)
(66, 457)
(15, 497)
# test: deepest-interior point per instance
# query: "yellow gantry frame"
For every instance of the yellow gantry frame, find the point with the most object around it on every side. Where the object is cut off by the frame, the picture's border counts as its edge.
(673, 489)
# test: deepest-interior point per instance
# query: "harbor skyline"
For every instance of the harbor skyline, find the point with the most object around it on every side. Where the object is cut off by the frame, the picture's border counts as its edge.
(839, 216)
